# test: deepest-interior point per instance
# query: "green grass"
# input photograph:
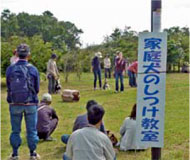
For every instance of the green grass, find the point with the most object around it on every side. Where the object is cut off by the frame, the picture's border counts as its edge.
(117, 107)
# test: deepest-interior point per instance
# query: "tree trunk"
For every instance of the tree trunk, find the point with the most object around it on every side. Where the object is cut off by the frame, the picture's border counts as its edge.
(179, 66)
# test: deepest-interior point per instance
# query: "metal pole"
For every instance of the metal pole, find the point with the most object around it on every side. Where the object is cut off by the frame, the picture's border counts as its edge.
(156, 15)
(156, 27)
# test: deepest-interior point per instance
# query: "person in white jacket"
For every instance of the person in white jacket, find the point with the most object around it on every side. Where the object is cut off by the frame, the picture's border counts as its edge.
(128, 133)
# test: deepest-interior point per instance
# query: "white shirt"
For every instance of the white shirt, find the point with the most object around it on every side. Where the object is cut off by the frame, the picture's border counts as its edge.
(128, 133)
(89, 144)
(107, 63)
(52, 68)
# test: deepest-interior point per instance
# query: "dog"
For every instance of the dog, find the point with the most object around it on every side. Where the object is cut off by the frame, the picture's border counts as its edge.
(58, 86)
(106, 86)
(112, 137)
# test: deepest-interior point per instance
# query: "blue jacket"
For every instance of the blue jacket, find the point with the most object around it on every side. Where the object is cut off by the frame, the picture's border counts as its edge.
(96, 64)
(33, 73)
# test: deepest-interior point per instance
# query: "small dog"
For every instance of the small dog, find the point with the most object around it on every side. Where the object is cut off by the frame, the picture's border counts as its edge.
(112, 137)
(58, 86)
(106, 85)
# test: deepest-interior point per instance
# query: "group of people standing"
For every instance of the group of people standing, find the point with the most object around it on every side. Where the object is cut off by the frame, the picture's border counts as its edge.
(120, 66)
(89, 139)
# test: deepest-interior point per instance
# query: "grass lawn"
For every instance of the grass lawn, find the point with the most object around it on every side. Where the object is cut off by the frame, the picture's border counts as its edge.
(117, 107)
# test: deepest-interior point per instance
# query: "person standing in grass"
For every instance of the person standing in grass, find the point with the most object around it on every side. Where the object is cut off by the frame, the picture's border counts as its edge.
(47, 118)
(107, 67)
(14, 58)
(132, 73)
(89, 143)
(96, 68)
(120, 66)
(23, 81)
(52, 73)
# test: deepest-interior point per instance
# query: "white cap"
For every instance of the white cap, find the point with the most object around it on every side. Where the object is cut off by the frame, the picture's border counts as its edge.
(46, 97)
(98, 54)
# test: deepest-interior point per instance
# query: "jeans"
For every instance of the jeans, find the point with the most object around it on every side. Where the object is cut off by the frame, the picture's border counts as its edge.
(107, 73)
(132, 79)
(119, 75)
(30, 115)
(65, 157)
(97, 73)
(65, 138)
(51, 84)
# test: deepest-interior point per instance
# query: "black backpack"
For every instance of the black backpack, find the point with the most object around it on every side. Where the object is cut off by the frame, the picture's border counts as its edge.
(21, 88)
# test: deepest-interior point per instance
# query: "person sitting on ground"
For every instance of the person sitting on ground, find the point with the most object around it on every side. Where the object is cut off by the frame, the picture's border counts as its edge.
(47, 118)
(128, 133)
(89, 143)
(82, 121)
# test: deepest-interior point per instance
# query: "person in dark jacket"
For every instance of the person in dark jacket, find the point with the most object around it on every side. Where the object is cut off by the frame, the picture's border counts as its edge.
(23, 82)
(82, 121)
(96, 68)
(120, 67)
(47, 118)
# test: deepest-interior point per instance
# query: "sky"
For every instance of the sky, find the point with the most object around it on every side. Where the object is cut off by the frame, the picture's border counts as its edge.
(98, 18)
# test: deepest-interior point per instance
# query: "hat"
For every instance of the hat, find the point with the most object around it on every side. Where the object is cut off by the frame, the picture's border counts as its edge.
(53, 56)
(98, 54)
(46, 97)
(23, 50)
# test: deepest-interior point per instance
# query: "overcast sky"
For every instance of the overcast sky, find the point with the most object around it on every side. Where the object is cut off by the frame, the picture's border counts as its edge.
(98, 18)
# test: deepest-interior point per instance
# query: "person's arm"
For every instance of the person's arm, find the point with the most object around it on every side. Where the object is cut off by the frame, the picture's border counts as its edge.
(102, 128)
(76, 125)
(69, 149)
(37, 81)
(109, 62)
(54, 115)
(109, 152)
(8, 85)
(123, 128)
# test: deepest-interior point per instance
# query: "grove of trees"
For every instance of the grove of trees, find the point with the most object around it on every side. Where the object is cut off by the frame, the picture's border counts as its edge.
(45, 34)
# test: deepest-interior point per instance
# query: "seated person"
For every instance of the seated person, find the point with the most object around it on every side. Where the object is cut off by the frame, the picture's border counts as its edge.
(82, 121)
(89, 143)
(47, 118)
(128, 133)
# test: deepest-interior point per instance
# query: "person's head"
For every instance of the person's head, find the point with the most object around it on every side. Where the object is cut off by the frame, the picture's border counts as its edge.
(117, 53)
(95, 114)
(98, 54)
(133, 112)
(107, 55)
(23, 51)
(120, 55)
(90, 103)
(53, 56)
(46, 98)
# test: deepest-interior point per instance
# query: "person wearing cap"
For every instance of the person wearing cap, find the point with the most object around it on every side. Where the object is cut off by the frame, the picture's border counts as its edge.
(14, 58)
(120, 67)
(107, 67)
(22, 98)
(96, 68)
(52, 73)
(47, 118)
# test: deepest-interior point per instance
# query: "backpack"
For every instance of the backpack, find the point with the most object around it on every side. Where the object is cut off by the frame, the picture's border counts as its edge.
(21, 88)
